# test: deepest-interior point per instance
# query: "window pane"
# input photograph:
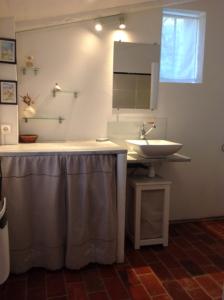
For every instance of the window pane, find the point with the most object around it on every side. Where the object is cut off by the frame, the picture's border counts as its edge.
(180, 48)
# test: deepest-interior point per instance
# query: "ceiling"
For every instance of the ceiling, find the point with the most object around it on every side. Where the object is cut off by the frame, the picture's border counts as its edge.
(25, 11)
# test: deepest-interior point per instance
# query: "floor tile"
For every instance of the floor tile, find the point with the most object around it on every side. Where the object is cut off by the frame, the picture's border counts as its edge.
(215, 273)
(36, 279)
(36, 294)
(129, 277)
(72, 275)
(115, 289)
(217, 260)
(16, 289)
(148, 255)
(161, 272)
(162, 297)
(152, 284)
(55, 284)
(107, 271)
(60, 298)
(92, 281)
(177, 251)
(192, 267)
(179, 273)
(98, 296)
(168, 261)
(183, 243)
(176, 291)
(138, 293)
(188, 283)
(199, 294)
(76, 291)
(136, 259)
(3, 290)
(209, 285)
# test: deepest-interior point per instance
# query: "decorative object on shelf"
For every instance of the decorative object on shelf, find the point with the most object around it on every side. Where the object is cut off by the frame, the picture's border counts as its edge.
(58, 89)
(8, 92)
(59, 119)
(7, 51)
(29, 61)
(29, 65)
(29, 111)
(28, 138)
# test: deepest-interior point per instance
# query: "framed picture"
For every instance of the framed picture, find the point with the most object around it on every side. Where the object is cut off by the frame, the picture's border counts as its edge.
(7, 51)
(8, 92)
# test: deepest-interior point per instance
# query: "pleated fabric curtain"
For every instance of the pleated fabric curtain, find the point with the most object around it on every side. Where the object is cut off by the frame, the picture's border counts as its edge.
(91, 210)
(61, 210)
(35, 191)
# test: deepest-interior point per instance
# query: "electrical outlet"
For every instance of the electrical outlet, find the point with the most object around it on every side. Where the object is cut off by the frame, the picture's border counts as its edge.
(5, 129)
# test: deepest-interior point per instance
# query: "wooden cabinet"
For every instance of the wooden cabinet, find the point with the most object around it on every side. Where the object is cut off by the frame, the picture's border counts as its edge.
(148, 201)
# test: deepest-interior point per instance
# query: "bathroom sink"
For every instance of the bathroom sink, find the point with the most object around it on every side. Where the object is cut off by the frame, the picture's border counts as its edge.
(153, 148)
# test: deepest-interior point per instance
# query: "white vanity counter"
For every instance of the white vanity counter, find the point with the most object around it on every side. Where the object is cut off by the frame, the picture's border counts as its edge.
(76, 147)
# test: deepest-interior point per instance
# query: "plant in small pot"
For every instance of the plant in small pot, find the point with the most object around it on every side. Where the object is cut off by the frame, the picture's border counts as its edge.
(28, 112)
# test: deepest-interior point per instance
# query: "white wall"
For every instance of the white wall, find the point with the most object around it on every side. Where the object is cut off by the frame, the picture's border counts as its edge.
(78, 58)
(195, 117)
(8, 113)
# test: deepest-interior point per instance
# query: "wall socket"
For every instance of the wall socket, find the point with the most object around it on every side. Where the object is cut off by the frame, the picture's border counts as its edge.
(6, 129)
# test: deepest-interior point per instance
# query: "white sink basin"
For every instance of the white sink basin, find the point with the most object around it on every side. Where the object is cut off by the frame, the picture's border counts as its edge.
(153, 148)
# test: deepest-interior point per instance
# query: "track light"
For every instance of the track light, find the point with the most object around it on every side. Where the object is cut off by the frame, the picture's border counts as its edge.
(122, 24)
(98, 26)
(121, 18)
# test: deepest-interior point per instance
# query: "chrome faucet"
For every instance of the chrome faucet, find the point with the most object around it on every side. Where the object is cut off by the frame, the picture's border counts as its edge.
(144, 132)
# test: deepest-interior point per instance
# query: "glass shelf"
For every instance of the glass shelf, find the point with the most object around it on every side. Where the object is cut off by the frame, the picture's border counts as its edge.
(55, 92)
(59, 119)
(35, 70)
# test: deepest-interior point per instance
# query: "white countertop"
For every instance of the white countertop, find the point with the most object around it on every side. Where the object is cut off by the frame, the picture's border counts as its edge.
(81, 147)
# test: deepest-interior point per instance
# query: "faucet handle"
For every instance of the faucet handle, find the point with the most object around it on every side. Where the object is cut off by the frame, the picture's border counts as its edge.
(152, 123)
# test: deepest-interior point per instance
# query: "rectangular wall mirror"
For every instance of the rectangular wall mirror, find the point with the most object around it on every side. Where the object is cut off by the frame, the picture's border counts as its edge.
(135, 75)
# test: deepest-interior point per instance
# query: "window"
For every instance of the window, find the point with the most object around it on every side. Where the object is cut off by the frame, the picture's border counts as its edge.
(182, 46)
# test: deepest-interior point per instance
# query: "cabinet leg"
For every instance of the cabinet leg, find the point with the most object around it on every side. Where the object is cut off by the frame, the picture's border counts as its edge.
(137, 218)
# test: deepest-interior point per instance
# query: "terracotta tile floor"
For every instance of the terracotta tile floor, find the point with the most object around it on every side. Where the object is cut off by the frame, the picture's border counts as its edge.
(191, 267)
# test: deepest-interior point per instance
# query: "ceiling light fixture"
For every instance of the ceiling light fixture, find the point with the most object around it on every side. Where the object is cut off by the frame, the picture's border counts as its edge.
(98, 26)
(122, 24)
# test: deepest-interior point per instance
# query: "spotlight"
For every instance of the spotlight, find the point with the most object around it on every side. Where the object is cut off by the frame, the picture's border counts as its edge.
(98, 26)
(122, 24)
(56, 89)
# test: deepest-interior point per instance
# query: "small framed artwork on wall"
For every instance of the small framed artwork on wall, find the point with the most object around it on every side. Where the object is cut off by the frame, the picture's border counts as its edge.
(7, 51)
(8, 92)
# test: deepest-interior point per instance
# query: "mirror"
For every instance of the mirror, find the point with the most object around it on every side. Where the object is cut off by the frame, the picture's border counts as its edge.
(135, 75)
